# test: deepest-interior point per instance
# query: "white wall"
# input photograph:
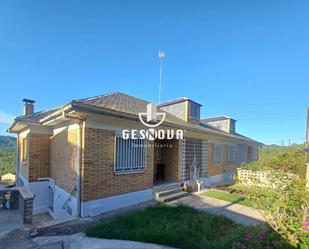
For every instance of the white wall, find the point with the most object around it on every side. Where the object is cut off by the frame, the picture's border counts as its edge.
(95, 207)
(60, 197)
(48, 194)
(213, 180)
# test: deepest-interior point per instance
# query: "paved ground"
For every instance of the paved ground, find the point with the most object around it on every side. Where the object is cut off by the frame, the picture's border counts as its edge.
(9, 220)
(80, 241)
(19, 240)
(236, 212)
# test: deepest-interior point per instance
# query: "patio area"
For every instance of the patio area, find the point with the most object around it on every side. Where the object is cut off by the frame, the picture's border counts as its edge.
(240, 214)
(10, 220)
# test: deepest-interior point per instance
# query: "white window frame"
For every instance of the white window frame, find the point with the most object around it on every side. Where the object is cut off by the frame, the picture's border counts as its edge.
(218, 160)
(231, 152)
(135, 158)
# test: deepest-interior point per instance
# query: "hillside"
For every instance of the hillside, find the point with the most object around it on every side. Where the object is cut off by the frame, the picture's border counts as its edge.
(288, 158)
(7, 154)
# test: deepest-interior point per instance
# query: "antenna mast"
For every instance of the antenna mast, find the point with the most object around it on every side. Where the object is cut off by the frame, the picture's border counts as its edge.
(161, 56)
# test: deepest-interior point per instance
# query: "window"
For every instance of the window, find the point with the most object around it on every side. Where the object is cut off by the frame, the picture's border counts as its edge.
(194, 110)
(255, 154)
(242, 152)
(231, 153)
(218, 151)
(130, 155)
(24, 149)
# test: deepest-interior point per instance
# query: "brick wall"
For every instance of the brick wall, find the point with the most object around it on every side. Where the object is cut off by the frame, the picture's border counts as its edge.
(23, 166)
(171, 157)
(216, 168)
(168, 152)
(98, 179)
(38, 156)
(64, 151)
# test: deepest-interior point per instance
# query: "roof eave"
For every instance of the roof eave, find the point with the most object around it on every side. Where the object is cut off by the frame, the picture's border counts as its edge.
(77, 106)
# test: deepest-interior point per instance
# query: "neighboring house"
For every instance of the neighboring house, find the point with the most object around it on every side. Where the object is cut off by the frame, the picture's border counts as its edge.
(76, 162)
(9, 177)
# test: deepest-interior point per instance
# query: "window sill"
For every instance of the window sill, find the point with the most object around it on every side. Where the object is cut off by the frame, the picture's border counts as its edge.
(129, 172)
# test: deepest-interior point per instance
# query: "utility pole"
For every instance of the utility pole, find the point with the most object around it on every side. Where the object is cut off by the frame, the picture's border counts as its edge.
(161, 56)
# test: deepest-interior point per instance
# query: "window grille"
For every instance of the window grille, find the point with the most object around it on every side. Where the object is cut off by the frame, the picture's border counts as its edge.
(231, 153)
(218, 151)
(130, 155)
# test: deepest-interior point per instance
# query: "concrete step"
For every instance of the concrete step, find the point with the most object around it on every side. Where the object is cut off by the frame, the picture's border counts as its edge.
(172, 197)
(167, 192)
(164, 187)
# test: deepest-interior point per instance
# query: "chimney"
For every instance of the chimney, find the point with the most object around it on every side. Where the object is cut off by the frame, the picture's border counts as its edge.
(28, 106)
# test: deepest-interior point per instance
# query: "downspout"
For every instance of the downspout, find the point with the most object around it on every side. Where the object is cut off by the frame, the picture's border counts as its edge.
(17, 161)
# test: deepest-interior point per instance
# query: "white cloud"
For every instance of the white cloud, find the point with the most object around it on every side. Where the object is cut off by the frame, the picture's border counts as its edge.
(6, 118)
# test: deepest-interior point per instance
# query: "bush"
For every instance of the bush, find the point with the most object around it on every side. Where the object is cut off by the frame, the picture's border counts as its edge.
(284, 206)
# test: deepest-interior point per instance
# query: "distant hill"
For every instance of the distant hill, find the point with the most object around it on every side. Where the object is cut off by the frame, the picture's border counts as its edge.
(287, 158)
(7, 154)
(7, 142)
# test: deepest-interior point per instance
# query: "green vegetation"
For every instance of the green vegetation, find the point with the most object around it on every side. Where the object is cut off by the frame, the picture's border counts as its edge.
(7, 155)
(284, 198)
(230, 197)
(286, 158)
(185, 227)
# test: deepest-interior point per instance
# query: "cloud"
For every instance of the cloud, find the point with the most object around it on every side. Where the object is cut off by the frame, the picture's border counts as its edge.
(6, 118)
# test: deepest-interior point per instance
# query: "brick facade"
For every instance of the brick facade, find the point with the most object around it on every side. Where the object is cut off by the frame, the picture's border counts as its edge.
(98, 179)
(168, 152)
(23, 165)
(64, 151)
(171, 157)
(38, 157)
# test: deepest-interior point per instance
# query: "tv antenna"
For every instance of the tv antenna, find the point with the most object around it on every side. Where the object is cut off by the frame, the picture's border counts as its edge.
(161, 55)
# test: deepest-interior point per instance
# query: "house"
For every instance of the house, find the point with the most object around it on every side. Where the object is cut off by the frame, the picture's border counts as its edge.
(76, 160)
(9, 177)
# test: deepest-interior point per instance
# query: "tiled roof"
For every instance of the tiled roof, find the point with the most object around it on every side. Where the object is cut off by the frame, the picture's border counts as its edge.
(127, 104)
(118, 102)
(216, 118)
(37, 116)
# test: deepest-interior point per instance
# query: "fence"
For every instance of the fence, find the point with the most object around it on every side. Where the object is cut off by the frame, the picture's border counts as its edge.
(262, 178)
(250, 177)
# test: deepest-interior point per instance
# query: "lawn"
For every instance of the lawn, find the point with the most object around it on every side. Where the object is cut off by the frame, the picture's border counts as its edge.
(181, 227)
(230, 197)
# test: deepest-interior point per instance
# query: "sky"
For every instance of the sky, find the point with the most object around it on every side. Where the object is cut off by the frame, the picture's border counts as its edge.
(245, 59)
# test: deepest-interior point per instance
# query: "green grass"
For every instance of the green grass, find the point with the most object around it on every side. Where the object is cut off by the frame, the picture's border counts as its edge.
(180, 226)
(234, 198)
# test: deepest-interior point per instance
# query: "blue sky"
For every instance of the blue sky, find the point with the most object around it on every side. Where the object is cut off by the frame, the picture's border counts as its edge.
(246, 59)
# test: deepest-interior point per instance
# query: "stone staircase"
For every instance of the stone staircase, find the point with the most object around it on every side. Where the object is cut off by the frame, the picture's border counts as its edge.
(169, 192)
